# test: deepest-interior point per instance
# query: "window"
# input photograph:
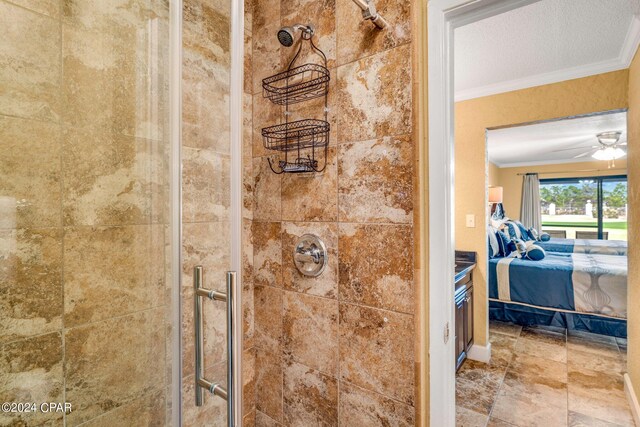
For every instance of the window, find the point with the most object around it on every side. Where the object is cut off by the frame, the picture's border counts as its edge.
(585, 208)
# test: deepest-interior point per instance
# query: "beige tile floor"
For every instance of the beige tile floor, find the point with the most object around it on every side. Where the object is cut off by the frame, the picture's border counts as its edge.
(544, 377)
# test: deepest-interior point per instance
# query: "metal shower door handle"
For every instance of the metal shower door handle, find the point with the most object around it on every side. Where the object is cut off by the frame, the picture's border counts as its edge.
(202, 383)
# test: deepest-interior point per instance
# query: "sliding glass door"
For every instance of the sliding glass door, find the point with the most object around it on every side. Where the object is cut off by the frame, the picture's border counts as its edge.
(614, 208)
(585, 208)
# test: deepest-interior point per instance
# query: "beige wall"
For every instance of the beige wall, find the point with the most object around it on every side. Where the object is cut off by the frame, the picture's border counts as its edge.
(580, 96)
(511, 182)
(633, 323)
(493, 175)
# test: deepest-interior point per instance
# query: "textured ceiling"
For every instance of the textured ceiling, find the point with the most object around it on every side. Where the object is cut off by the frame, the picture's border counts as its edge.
(544, 42)
(535, 144)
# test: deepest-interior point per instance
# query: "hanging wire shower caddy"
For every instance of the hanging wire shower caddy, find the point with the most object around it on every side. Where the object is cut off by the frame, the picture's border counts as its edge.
(300, 140)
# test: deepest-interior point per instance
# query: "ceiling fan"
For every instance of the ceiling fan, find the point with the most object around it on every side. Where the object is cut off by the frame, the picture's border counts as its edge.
(608, 147)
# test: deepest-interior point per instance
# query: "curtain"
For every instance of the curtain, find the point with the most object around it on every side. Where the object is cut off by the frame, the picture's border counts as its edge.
(530, 214)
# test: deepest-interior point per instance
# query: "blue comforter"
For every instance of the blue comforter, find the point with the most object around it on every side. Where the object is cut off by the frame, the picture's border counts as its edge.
(585, 246)
(582, 283)
(545, 283)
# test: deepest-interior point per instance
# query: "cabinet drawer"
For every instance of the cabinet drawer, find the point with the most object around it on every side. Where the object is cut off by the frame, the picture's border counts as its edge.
(464, 281)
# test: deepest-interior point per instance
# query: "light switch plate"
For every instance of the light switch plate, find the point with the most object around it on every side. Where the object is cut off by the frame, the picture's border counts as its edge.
(471, 220)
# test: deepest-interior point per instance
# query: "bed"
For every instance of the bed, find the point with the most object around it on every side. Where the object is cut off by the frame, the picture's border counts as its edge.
(583, 291)
(585, 246)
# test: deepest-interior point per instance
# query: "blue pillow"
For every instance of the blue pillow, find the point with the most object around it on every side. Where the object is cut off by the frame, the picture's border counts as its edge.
(533, 233)
(544, 237)
(514, 231)
(503, 243)
(518, 231)
(524, 232)
(535, 253)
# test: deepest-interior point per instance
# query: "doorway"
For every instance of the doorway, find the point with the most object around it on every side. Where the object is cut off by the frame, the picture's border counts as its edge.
(444, 17)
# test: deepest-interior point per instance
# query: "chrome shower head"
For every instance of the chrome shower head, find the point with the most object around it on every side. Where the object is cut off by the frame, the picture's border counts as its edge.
(285, 36)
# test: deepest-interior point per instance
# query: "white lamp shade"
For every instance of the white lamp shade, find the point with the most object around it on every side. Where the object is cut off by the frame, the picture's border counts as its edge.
(495, 194)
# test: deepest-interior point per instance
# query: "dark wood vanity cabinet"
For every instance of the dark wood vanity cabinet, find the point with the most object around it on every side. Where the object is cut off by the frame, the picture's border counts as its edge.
(464, 318)
(468, 318)
(461, 347)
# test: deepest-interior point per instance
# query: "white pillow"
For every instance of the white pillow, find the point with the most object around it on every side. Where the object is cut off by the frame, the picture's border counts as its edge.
(493, 242)
(498, 223)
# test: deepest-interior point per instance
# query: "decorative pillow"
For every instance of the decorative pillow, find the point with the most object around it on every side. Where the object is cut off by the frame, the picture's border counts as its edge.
(514, 230)
(518, 246)
(498, 223)
(517, 230)
(533, 233)
(494, 248)
(524, 232)
(535, 253)
(544, 237)
(503, 243)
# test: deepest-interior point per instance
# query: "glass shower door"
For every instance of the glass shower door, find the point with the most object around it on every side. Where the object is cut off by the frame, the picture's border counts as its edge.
(86, 304)
(210, 213)
(110, 196)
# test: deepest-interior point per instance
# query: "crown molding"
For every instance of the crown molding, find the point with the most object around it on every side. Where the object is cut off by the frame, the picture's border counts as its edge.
(627, 52)
(541, 79)
(631, 42)
(547, 162)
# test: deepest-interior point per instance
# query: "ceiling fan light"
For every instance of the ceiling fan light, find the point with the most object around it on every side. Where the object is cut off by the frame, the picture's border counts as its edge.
(618, 153)
(600, 155)
(609, 153)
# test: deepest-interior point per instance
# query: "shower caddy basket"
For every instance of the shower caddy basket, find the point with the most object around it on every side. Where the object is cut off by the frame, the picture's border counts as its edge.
(301, 140)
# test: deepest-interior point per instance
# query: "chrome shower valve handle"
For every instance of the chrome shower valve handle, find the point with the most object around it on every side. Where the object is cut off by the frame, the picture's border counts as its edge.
(310, 255)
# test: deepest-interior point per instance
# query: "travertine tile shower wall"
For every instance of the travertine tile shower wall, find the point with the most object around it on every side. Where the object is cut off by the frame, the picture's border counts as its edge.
(83, 168)
(248, 305)
(338, 349)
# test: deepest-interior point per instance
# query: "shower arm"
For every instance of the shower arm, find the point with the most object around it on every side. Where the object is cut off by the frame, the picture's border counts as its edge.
(306, 30)
(369, 12)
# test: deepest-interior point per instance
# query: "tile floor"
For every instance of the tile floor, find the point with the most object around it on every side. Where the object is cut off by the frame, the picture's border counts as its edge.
(544, 377)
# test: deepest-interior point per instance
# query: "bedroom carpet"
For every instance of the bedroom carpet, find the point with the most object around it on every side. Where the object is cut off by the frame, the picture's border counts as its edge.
(541, 376)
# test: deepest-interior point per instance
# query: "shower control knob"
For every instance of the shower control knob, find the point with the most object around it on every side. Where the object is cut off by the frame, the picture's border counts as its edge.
(310, 255)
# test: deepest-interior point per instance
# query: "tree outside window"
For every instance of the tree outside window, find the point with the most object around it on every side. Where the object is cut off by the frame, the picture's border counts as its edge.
(576, 205)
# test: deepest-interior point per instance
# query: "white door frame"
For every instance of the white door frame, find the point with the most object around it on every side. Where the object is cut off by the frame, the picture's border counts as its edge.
(236, 174)
(443, 17)
(175, 119)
